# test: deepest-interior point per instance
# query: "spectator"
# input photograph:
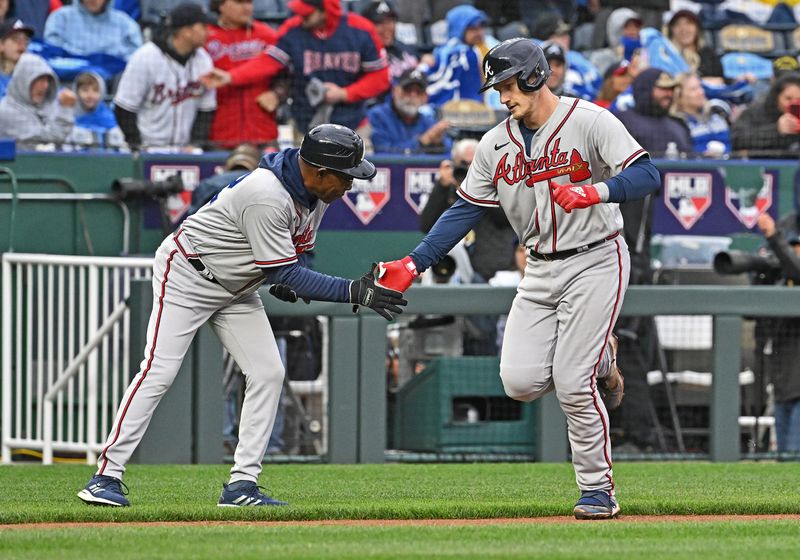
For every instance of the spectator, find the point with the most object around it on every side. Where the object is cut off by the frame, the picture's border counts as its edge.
(337, 63)
(557, 59)
(617, 79)
(686, 33)
(550, 27)
(401, 56)
(93, 26)
(772, 125)
(456, 72)
(244, 113)
(404, 122)
(33, 110)
(784, 65)
(710, 131)
(14, 39)
(649, 121)
(622, 29)
(160, 101)
(649, 12)
(95, 124)
(35, 12)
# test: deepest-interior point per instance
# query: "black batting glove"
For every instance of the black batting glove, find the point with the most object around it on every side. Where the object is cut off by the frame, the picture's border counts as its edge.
(382, 301)
(284, 292)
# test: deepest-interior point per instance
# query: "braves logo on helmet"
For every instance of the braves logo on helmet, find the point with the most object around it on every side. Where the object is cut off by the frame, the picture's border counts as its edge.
(516, 57)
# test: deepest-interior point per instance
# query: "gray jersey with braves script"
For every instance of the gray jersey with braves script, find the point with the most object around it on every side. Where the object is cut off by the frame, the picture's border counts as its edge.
(252, 224)
(164, 94)
(582, 144)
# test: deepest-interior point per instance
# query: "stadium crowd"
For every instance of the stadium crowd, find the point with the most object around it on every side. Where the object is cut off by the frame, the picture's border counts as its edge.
(688, 79)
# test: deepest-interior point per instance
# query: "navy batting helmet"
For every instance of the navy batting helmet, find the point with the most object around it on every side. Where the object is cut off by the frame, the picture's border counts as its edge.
(516, 57)
(336, 147)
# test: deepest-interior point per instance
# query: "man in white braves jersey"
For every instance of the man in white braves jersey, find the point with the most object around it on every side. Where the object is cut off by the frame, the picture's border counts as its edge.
(558, 167)
(160, 101)
(256, 229)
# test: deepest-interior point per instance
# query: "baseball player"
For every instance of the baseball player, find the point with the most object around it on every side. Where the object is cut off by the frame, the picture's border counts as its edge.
(558, 167)
(160, 101)
(255, 230)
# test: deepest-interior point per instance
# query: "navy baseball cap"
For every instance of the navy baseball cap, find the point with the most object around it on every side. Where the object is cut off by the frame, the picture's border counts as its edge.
(336, 147)
(12, 26)
(412, 76)
(187, 14)
(378, 12)
(553, 51)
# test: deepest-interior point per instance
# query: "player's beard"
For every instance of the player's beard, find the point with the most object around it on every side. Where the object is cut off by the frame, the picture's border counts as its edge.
(407, 109)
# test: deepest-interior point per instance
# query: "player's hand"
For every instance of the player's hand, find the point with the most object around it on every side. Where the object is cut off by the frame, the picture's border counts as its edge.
(284, 292)
(365, 291)
(67, 98)
(268, 101)
(217, 78)
(334, 94)
(766, 224)
(397, 275)
(570, 197)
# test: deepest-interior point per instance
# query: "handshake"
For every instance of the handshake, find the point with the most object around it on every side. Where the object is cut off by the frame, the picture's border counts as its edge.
(384, 294)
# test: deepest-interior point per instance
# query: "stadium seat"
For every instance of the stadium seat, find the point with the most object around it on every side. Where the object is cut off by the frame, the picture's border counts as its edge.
(752, 39)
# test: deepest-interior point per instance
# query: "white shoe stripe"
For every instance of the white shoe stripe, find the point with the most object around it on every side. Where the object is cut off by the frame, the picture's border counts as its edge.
(239, 500)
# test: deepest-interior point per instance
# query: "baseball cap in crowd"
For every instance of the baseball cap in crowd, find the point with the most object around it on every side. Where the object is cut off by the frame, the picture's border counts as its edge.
(553, 51)
(304, 8)
(336, 147)
(784, 65)
(185, 15)
(666, 81)
(617, 69)
(549, 24)
(378, 12)
(412, 76)
(12, 26)
(244, 156)
(686, 14)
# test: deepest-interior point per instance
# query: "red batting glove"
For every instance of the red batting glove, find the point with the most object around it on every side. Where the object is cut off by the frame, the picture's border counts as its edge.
(397, 275)
(570, 197)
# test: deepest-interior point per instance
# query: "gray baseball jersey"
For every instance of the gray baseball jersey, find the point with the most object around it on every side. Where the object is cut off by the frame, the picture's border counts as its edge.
(164, 94)
(252, 223)
(581, 144)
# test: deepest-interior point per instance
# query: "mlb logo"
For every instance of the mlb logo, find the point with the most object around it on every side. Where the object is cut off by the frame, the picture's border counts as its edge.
(178, 204)
(367, 198)
(687, 196)
(420, 181)
(748, 203)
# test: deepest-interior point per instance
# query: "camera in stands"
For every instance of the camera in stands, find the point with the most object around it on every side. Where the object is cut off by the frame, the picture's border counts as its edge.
(127, 188)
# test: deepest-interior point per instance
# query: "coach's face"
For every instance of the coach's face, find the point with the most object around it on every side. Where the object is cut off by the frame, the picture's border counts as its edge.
(518, 102)
(329, 185)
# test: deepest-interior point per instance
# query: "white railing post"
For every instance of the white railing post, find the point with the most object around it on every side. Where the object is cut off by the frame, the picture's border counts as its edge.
(91, 382)
(7, 349)
(47, 433)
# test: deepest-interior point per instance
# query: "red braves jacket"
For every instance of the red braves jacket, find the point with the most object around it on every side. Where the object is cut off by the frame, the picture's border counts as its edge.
(239, 118)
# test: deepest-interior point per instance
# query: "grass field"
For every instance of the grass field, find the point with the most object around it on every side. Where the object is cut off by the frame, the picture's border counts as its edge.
(34, 494)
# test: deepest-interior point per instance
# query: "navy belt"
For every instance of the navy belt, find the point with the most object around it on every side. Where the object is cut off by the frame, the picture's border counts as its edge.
(565, 254)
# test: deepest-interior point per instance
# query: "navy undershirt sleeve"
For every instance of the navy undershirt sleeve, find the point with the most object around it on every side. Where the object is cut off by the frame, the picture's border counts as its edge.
(309, 284)
(449, 229)
(635, 181)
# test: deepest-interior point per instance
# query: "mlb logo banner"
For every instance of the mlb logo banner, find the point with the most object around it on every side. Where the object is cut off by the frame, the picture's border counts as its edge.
(419, 183)
(688, 196)
(367, 198)
(178, 204)
(747, 201)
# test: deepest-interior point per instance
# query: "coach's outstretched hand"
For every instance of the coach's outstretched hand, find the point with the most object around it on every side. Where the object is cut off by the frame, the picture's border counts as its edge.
(570, 197)
(382, 301)
(397, 275)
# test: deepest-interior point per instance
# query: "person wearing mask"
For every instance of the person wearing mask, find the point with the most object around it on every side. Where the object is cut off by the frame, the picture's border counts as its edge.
(33, 110)
(405, 122)
(649, 121)
(14, 39)
(771, 127)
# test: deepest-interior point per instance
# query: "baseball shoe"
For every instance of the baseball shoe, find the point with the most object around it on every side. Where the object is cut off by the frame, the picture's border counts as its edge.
(612, 387)
(596, 504)
(104, 490)
(245, 493)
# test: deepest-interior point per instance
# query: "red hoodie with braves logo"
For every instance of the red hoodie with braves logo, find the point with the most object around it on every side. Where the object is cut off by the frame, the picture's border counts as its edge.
(239, 118)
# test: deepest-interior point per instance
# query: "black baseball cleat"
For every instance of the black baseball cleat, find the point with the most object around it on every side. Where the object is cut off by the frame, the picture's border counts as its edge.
(612, 387)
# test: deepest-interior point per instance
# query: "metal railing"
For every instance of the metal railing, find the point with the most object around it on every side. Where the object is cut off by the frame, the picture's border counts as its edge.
(53, 308)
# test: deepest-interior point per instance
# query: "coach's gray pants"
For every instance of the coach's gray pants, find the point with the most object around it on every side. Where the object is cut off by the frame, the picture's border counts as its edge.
(556, 337)
(182, 302)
